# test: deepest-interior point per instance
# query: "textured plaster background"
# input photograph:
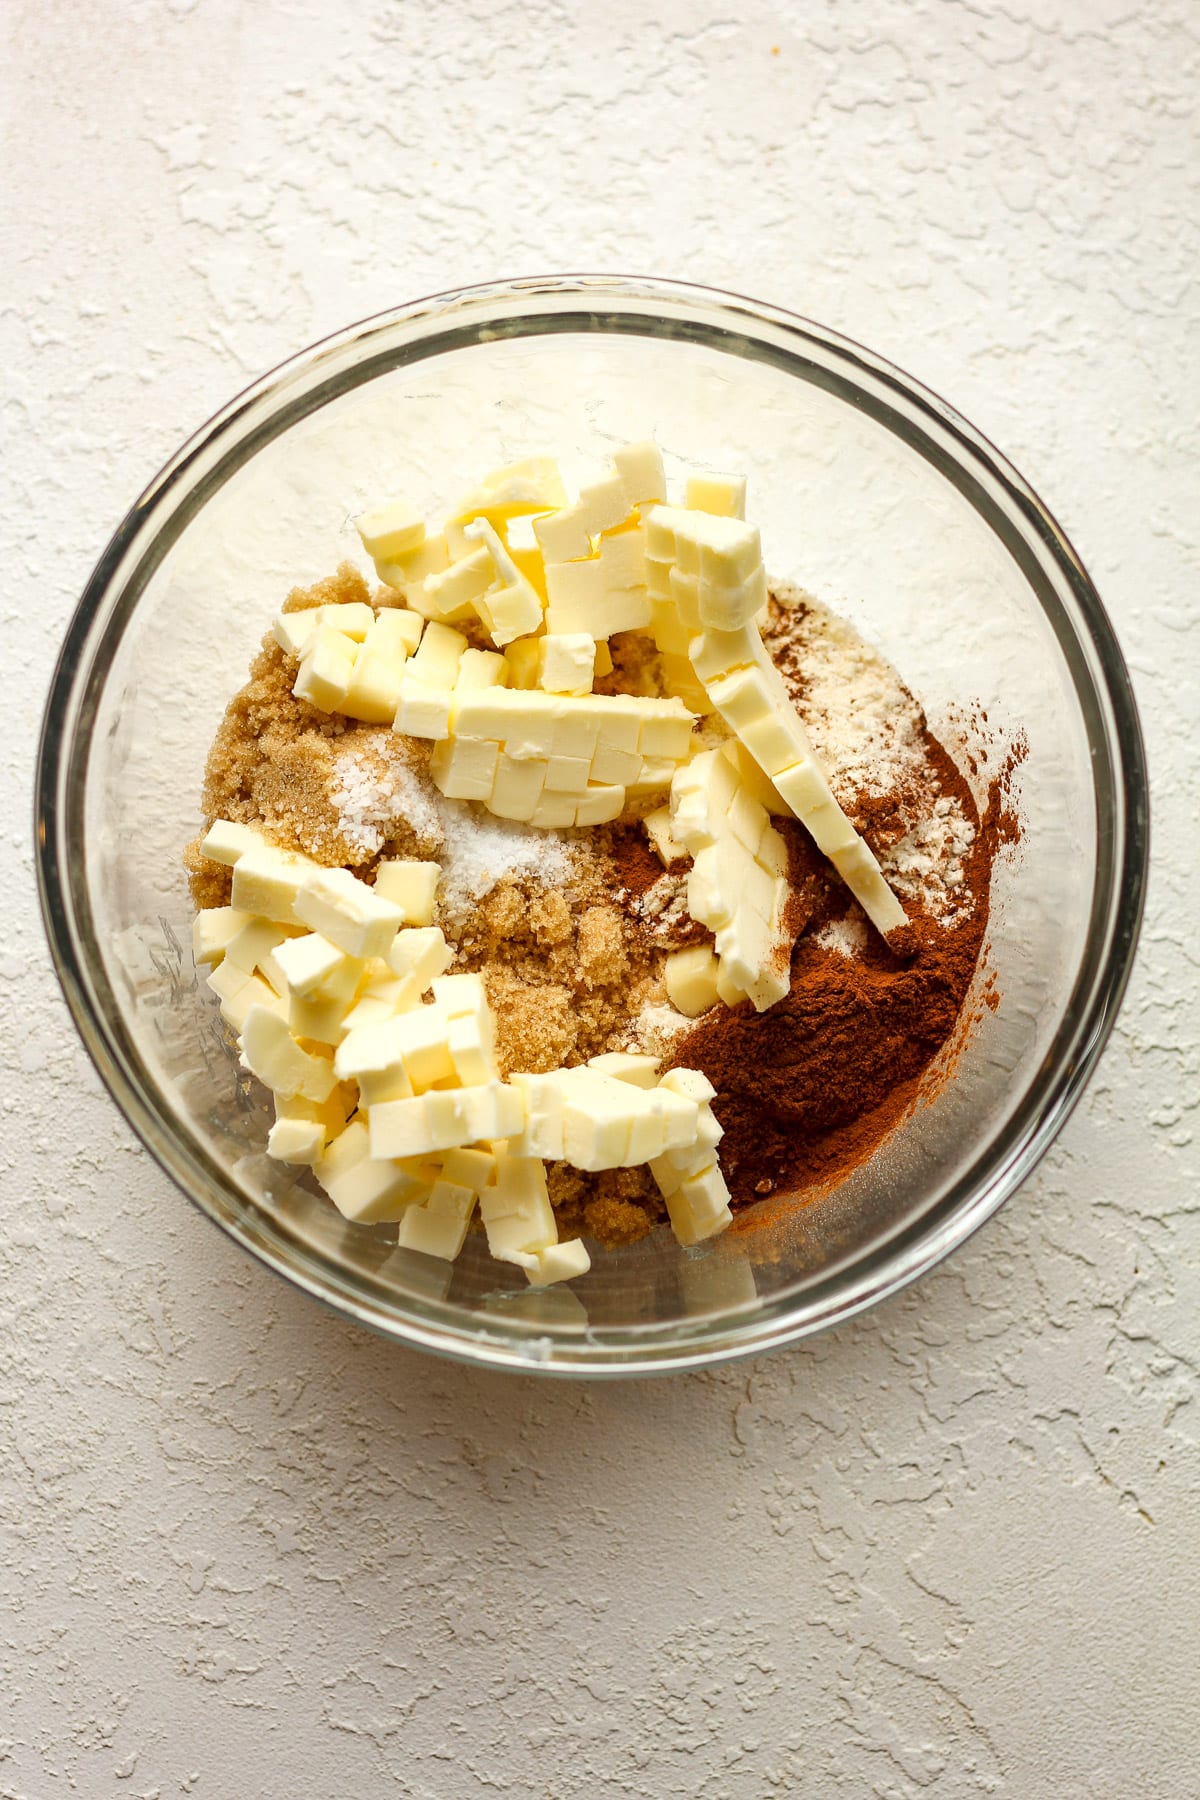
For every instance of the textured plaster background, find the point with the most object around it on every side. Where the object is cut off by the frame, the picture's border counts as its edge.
(951, 1550)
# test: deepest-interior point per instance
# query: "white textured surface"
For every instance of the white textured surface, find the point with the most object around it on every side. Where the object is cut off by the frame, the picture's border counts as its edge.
(951, 1550)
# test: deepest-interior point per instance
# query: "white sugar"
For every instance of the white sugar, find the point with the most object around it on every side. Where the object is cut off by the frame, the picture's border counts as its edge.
(380, 786)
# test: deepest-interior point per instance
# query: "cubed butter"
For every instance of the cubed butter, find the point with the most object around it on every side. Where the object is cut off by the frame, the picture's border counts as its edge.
(724, 495)
(568, 662)
(691, 978)
(353, 916)
(213, 929)
(225, 841)
(326, 669)
(270, 1052)
(391, 531)
(412, 886)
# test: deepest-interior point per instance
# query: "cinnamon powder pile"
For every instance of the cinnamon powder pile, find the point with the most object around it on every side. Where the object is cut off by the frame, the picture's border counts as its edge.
(811, 1087)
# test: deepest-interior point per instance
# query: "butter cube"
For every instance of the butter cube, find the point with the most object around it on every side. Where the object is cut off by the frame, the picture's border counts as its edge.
(420, 952)
(728, 990)
(472, 1169)
(381, 1085)
(583, 596)
(374, 691)
(483, 668)
(517, 787)
(597, 1116)
(559, 1262)
(647, 1136)
(238, 992)
(372, 1048)
(610, 764)
(494, 1111)
(315, 1017)
(472, 1050)
(741, 697)
(692, 1084)
(671, 633)
(598, 805)
(715, 653)
(577, 732)
(516, 1209)
(497, 712)
(309, 961)
(326, 669)
(691, 978)
(397, 631)
(522, 660)
(511, 608)
(425, 1037)
(623, 1065)
(410, 571)
(422, 711)
(348, 912)
(444, 1119)
(699, 1207)
(464, 768)
(541, 1134)
(293, 631)
(461, 996)
(640, 467)
(366, 1190)
(747, 820)
(403, 1128)
(213, 929)
(723, 551)
(266, 883)
(666, 734)
(712, 888)
(532, 485)
(436, 661)
(667, 848)
(860, 872)
(463, 583)
(604, 505)
(568, 662)
(567, 775)
(225, 841)
(270, 1052)
(774, 742)
(652, 778)
(563, 536)
(296, 1141)
(379, 1002)
(721, 494)
(389, 531)
(752, 778)
(604, 661)
(725, 606)
(438, 1226)
(411, 886)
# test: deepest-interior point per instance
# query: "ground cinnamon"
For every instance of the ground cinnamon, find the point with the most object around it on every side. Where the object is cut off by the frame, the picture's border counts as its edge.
(808, 1089)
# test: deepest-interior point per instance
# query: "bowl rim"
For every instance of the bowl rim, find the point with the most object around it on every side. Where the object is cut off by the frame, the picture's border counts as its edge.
(643, 306)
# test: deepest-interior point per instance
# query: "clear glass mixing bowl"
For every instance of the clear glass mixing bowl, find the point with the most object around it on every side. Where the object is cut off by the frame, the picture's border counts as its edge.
(873, 495)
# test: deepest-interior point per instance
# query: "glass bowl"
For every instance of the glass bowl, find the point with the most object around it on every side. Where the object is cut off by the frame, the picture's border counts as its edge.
(873, 495)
